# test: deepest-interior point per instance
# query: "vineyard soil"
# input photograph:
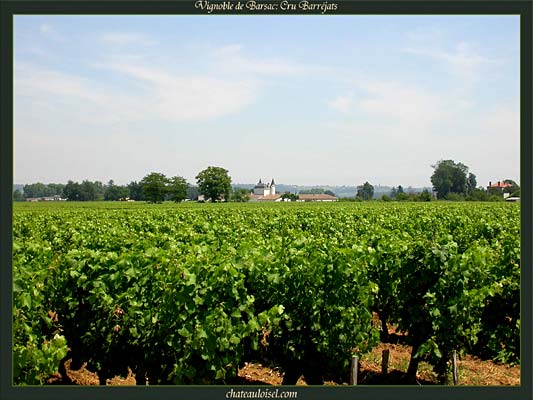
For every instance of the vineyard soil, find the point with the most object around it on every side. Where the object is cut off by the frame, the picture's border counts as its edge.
(472, 370)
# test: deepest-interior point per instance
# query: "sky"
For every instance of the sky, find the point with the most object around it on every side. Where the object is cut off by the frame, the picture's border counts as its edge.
(306, 100)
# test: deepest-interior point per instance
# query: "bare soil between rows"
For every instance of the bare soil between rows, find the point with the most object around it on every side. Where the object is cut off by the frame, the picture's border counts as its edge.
(472, 372)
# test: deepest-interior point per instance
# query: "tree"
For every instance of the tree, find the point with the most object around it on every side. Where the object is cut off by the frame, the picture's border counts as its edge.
(36, 190)
(400, 189)
(329, 192)
(113, 192)
(312, 191)
(471, 183)
(72, 191)
(214, 183)
(17, 195)
(513, 190)
(449, 177)
(424, 196)
(89, 190)
(402, 196)
(452, 196)
(99, 189)
(154, 187)
(177, 188)
(56, 188)
(135, 191)
(192, 192)
(289, 196)
(393, 192)
(478, 194)
(240, 195)
(365, 191)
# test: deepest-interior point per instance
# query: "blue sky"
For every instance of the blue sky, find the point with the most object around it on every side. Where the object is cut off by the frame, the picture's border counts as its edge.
(325, 100)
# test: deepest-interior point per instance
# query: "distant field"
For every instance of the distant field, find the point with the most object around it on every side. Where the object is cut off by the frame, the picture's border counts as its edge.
(185, 293)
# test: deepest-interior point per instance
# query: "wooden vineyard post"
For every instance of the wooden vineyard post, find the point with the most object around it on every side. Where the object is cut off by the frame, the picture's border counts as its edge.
(454, 368)
(385, 361)
(353, 373)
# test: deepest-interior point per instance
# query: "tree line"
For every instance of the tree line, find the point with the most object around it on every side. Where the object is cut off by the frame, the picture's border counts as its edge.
(213, 183)
(453, 181)
(450, 180)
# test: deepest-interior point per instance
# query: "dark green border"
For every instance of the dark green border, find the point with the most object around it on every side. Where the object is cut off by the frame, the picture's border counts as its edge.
(8, 8)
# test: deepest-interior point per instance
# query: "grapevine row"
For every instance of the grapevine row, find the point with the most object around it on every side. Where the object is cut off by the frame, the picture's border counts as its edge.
(184, 294)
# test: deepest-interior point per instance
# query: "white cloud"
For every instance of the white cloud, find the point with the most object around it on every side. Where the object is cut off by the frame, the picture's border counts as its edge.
(30, 81)
(386, 128)
(125, 38)
(392, 118)
(229, 50)
(50, 32)
(401, 101)
(463, 61)
(181, 97)
(75, 99)
(162, 95)
(343, 104)
(45, 28)
(232, 58)
(425, 34)
(138, 71)
(392, 101)
(231, 82)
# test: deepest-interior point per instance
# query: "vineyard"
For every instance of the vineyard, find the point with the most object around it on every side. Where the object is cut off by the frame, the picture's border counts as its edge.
(185, 294)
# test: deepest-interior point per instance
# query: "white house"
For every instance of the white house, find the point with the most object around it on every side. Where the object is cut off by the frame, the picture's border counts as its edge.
(55, 197)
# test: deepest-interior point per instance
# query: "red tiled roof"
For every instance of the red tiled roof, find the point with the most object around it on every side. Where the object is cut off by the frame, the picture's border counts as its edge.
(269, 197)
(500, 185)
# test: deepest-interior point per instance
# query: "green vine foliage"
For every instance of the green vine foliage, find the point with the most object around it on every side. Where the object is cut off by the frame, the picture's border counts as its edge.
(184, 294)
(39, 343)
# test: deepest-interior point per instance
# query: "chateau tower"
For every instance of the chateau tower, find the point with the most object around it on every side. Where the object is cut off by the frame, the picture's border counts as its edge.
(272, 187)
(264, 189)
